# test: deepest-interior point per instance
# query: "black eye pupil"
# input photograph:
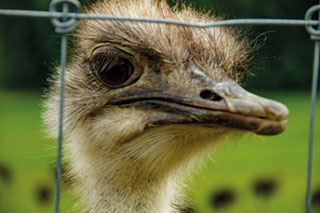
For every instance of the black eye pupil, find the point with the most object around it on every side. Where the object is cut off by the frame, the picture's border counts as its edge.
(117, 74)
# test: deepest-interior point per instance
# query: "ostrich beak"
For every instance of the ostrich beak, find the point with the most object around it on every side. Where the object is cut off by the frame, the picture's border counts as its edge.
(224, 105)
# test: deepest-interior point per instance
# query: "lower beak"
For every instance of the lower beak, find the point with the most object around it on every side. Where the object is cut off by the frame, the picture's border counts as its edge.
(224, 105)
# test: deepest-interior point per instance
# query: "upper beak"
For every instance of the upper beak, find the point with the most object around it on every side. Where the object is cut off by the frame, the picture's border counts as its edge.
(224, 105)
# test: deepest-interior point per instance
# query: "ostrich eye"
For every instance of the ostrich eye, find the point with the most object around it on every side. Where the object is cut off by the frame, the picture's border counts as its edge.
(115, 73)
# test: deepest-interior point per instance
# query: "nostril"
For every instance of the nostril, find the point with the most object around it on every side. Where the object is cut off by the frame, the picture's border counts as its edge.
(210, 95)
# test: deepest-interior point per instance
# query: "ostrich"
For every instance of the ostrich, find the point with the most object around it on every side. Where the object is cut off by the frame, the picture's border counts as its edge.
(146, 103)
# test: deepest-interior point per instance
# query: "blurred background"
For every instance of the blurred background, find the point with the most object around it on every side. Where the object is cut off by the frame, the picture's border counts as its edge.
(255, 174)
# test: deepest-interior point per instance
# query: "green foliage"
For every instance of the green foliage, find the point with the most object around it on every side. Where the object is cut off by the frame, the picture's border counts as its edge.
(29, 48)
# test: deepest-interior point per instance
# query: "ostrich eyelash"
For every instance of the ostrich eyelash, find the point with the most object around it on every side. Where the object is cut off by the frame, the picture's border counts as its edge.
(102, 58)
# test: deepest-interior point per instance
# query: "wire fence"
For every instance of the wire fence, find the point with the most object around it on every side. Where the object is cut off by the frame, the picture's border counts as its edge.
(66, 20)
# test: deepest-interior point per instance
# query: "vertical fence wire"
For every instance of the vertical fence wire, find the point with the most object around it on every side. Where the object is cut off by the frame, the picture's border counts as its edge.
(63, 26)
(59, 154)
(316, 63)
(312, 116)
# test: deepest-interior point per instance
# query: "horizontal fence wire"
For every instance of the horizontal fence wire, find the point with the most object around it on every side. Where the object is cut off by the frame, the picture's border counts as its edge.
(229, 22)
(69, 18)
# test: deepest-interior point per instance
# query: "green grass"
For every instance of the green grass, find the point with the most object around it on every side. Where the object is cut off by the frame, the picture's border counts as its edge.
(237, 164)
(26, 151)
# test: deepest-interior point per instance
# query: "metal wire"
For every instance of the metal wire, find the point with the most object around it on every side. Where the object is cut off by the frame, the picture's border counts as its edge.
(249, 21)
(315, 35)
(69, 24)
(66, 24)
(312, 116)
(60, 137)
(62, 26)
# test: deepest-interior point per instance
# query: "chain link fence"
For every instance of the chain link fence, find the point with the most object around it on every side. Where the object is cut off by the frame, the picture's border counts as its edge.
(65, 15)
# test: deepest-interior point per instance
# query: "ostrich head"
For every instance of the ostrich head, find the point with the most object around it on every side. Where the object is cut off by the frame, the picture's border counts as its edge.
(146, 102)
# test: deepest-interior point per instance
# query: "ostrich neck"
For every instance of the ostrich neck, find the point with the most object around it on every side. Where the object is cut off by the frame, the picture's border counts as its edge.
(108, 183)
(141, 175)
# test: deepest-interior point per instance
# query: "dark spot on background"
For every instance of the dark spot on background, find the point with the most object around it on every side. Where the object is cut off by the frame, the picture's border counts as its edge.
(315, 200)
(265, 187)
(44, 194)
(222, 198)
(5, 173)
